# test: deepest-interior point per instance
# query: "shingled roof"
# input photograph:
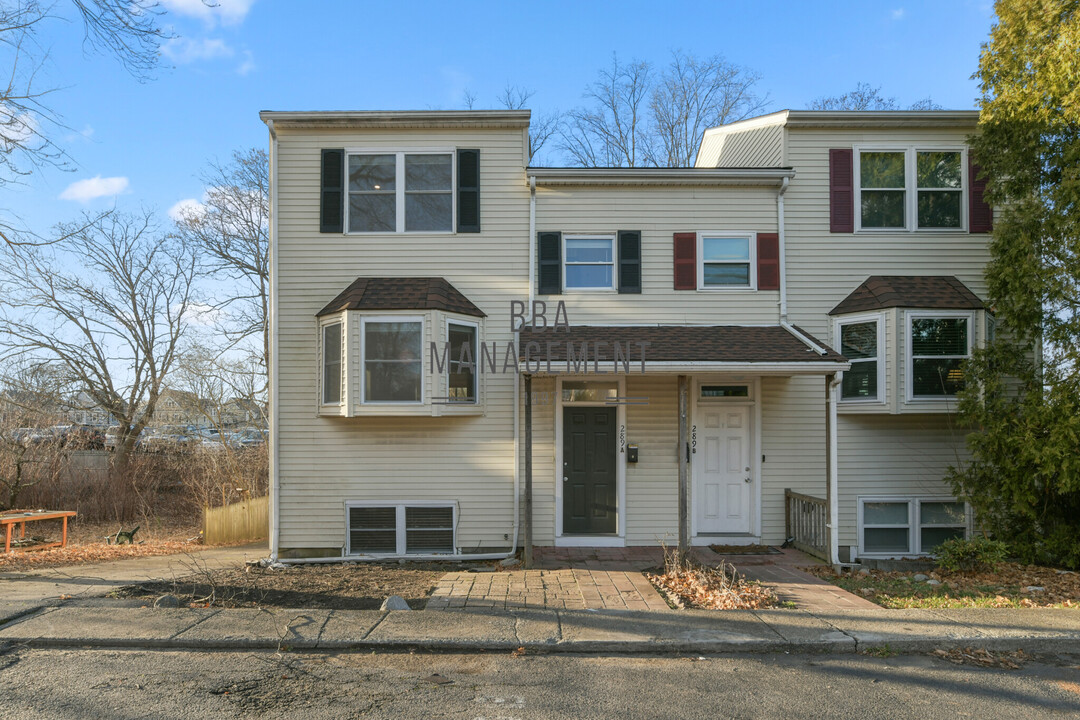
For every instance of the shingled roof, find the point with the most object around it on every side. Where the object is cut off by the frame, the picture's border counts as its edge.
(684, 343)
(932, 292)
(413, 293)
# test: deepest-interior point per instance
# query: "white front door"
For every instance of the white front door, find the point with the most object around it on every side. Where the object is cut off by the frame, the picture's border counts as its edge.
(723, 482)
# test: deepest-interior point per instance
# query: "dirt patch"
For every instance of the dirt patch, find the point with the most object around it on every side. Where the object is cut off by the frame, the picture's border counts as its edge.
(351, 586)
(984, 658)
(1011, 586)
(87, 544)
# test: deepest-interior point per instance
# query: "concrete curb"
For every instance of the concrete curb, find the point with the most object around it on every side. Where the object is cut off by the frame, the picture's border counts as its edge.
(545, 631)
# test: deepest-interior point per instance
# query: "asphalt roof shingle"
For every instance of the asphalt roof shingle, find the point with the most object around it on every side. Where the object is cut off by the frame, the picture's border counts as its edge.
(683, 343)
(931, 292)
(413, 293)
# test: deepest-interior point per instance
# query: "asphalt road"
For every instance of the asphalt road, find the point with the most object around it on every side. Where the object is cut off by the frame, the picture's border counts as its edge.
(121, 684)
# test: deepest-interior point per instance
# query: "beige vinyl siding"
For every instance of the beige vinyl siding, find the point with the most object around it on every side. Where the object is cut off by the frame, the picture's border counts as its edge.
(324, 462)
(823, 267)
(659, 212)
(905, 455)
(757, 142)
(652, 484)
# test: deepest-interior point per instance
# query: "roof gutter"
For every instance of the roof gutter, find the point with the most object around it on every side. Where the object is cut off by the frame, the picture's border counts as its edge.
(801, 337)
(660, 176)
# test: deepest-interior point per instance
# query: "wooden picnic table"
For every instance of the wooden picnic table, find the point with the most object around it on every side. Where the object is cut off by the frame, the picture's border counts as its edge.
(8, 520)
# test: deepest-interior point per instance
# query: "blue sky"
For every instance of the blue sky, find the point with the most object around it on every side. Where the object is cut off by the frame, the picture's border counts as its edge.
(145, 144)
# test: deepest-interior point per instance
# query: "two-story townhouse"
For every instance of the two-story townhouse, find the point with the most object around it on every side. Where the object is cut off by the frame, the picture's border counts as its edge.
(681, 373)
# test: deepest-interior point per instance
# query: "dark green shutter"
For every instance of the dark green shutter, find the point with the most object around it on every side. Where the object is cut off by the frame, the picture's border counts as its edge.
(549, 256)
(629, 261)
(332, 209)
(468, 179)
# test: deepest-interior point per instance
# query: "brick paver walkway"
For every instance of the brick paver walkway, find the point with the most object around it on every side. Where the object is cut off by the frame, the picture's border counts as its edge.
(570, 588)
(611, 579)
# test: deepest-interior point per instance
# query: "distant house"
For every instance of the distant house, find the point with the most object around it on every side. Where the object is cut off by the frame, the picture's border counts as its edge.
(784, 326)
(178, 407)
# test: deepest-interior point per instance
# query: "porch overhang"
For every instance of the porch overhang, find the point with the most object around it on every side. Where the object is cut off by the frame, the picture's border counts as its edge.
(779, 350)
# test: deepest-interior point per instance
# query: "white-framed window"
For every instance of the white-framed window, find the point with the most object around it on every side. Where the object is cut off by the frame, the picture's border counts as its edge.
(911, 188)
(589, 262)
(406, 528)
(709, 391)
(897, 526)
(462, 383)
(726, 261)
(392, 367)
(332, 347)
(862, 341)
(938, 343)
(403, 191)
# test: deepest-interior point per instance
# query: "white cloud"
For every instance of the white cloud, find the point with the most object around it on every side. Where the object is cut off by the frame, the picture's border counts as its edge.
(227, 12)
(898, 14)
(95, 187)
(186, 208)
(186, 50)
(247, 65)
(203, 314)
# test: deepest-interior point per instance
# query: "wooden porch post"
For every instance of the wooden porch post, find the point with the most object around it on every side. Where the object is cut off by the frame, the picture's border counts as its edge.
(829, 525)
(684, 535)
(527, 524)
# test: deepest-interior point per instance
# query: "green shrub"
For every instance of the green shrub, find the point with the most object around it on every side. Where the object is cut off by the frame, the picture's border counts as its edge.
(977, 554)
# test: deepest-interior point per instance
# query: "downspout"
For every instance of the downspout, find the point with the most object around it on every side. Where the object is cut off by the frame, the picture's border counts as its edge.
(833, 479)
(275, 525)
(784, 182)
(517, 381)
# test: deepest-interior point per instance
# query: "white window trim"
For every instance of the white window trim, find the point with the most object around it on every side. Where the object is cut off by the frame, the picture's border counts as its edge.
(324, 323)
(879, 318)
(476, 361)
(914, 535)
(751, 240)
(399, 183)
(614, 262)
(911, 203)
(909, 362)
(364, 319)
(749, 399)
(399, 523)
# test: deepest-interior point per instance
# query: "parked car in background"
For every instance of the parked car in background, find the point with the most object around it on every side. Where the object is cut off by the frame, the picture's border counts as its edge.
(83, 437)
(248, 437)
(112, 438)
(170, 439)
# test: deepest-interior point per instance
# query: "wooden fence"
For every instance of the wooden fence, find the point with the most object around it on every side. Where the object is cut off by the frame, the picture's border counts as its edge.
(804, 520)
(246, 520)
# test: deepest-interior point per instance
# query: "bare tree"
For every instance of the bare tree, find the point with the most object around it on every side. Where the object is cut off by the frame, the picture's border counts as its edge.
(693, 95)
(637, 116)
(110, 305)
(541, 127)
(125, 29)
(231, 231)
(613, 131)
(867, 97)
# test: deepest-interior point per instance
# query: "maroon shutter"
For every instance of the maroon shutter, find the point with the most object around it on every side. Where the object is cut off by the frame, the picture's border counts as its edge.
(768, 261)
(980, 214)
(841, 191)
(686, 261)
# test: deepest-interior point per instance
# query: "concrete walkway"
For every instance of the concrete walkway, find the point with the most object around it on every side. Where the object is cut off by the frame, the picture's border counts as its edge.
(23, 591)
(550, 631)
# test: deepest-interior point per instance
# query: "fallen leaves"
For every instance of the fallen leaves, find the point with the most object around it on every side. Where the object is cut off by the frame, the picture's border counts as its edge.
(90, 553)
(983, 658)
(711, 588)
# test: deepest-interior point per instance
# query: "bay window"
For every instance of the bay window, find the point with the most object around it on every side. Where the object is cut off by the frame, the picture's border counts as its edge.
(861, 343)
(392, 360)
(938, 345)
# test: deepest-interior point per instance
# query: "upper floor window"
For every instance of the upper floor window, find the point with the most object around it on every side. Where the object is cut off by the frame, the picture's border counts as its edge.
(400, 192)
(937, 347)
(589, 262)
(911, 188)
(392, 360)
(725, 261)
(860, 342)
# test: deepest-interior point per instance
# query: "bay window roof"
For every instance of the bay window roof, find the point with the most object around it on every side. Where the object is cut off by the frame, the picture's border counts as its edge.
(412, 293)
(929, 292)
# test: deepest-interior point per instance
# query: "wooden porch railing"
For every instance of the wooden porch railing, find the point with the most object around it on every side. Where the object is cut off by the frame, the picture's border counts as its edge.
(804, 520)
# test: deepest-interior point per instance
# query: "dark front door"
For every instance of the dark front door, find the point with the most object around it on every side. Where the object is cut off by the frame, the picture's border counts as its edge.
(589, 492)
